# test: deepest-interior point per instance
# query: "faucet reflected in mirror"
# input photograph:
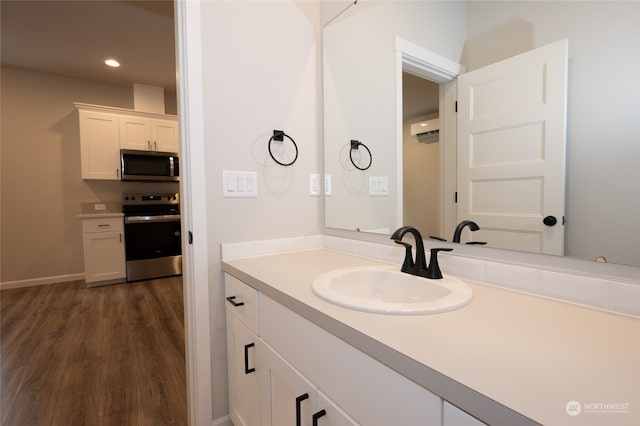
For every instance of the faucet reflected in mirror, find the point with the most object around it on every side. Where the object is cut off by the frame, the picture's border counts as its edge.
(472, 227)
(419, 267)
(457, 234)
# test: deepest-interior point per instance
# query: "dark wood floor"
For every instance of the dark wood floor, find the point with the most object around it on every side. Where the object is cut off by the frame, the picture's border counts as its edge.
(111, 355)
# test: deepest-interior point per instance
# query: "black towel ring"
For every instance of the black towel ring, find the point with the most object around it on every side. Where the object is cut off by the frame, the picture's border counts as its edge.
(354, 146)
(278, 136)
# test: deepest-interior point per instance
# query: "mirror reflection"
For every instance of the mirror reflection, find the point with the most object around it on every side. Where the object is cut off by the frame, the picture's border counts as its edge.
(365, 102)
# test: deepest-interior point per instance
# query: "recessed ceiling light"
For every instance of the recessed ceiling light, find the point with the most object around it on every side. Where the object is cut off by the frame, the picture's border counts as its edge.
(112, 63)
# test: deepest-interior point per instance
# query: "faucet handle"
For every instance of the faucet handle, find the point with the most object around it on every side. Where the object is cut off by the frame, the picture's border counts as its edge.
(407, 265)
(433, 272)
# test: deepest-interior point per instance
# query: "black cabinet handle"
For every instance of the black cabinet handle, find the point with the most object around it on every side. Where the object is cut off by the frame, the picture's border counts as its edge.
(248, 370)
(232, 300)
(317, 415)
(299, 400)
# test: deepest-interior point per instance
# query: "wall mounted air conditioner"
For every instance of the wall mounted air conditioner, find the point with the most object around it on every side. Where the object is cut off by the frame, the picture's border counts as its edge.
(426, 131)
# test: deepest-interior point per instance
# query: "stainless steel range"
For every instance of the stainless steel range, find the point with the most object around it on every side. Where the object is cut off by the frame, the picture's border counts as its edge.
(153, 246)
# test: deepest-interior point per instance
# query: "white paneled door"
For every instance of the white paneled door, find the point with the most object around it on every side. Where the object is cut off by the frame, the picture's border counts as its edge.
(511, 150)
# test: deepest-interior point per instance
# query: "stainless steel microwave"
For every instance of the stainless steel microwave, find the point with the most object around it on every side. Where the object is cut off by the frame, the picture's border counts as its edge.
(149, 165)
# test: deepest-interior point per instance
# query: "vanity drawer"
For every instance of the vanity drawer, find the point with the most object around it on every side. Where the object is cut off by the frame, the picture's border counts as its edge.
(242, 302)
(102, 225)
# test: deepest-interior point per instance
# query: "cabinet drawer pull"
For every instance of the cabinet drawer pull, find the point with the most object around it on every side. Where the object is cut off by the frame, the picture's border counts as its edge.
(232, 300)
(103, 225)
(317, 415)
(248, 370)
(299, 400)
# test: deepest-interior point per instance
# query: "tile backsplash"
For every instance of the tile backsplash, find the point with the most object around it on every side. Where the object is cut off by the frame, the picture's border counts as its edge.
(616, 296)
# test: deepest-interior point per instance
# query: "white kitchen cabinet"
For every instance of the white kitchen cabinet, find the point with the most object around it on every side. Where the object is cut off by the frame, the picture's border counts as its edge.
(242, 353)
(99, 145)
(453, 416)
(289, 399)
(105, 130)
(148, 134)
(104, 257)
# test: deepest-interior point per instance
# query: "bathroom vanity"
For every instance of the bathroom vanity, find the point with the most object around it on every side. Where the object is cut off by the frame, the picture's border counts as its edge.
(505, 358)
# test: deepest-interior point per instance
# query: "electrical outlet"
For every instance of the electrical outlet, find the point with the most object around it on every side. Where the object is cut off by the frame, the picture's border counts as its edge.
(327, 185)
(314, 184)
(99, 207)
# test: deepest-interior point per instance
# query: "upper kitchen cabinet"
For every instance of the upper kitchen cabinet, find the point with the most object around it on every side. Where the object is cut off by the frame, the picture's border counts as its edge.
(99, 145)
(148, 134)
(104, 131)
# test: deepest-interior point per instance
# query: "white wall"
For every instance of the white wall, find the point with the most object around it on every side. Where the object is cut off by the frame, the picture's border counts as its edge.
(603, 149)
(260, 64)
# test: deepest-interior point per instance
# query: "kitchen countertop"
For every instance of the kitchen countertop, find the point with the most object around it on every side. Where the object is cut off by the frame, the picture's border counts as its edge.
(99, 215)
(504, 349)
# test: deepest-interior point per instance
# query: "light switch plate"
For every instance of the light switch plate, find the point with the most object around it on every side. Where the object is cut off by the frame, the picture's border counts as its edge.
(239, 184)
(378, 185)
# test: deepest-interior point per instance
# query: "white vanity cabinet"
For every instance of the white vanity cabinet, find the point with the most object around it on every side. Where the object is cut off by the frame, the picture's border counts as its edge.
(289, 399)
(99, 145)
(297, 358)
(148, 134)
(242, 353)
(104, 257)
(453, 416)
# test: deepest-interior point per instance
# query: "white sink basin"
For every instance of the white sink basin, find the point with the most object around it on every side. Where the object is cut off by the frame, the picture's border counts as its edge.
(386, 290)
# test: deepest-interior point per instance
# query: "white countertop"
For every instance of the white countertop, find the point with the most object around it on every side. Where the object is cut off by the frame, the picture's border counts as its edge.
(530, 354)
(99, 215)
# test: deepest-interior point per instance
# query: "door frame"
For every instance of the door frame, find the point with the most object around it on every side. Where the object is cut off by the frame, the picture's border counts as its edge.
(194, 212)
(421, 62)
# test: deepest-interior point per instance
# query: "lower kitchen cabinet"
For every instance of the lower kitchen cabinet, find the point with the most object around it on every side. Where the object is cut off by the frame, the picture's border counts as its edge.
(308, 376)
(104, 257)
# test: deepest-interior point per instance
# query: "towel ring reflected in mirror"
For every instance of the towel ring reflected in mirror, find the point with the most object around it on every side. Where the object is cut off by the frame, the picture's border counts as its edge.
(355, 146)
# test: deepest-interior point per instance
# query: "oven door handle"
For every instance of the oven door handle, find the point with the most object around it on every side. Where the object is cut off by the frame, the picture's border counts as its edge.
(157, 218)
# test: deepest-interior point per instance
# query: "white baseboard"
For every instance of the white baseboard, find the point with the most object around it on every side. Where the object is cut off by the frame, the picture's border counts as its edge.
(41, 281)
(222, 421)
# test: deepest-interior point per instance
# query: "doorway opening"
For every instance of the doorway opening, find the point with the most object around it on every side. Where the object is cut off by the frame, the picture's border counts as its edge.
(434, 76)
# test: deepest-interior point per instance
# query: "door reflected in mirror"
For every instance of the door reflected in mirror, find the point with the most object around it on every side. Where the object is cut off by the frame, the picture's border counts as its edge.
(603, 151)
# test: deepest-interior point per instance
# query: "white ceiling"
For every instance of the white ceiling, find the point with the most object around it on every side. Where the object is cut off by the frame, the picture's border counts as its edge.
(72, 38)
